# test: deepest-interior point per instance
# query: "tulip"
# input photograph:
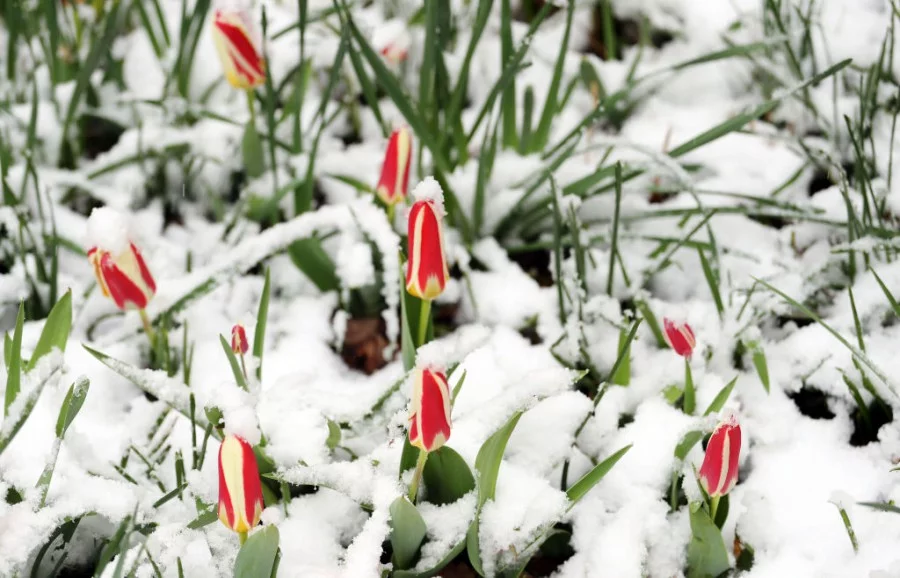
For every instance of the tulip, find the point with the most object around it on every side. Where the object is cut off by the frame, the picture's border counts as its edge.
(719, 471)
(392, 40)
(680, 337)
(124, 276)
(426, 272)
(429, 418)
(395, 171)
(240, 490)
(241, 59)
(239, 344)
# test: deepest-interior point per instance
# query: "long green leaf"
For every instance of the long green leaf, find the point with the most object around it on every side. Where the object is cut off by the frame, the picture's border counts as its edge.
(262, 316)
(447, 476)
(14, 372)
(71, 405)
(407, 532)
(707, 556)
(258, 555)
(580, 488)
(55, 332)
(234, 363)
(551, 104)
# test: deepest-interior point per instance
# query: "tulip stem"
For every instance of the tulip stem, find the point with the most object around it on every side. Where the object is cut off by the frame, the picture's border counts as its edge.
(242, 537)
(713, 506)
(390, 214)
(243, 366)
(252, 106)
(417, 476)
(148, 328)
(424, 315)
(690, 399)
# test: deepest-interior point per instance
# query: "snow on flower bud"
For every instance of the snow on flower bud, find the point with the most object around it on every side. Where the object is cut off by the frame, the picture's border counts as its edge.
(395, 171)
(429, 416)
(680, 337)
(426, 271)
(239, 344)
(118, 265)
(719, 471)
(241, 59)
(392, 40)
(240, 490)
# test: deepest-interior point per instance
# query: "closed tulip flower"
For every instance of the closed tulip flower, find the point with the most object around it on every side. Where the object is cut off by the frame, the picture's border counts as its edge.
(392, 40)
(239, 344)
(241, 58)
(429, 416)
(118, 265)
(427, 272)
(240, 490)
(719, 472)
(394, 179)
(680, 337)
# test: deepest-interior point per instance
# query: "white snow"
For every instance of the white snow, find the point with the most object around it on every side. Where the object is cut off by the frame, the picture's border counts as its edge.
(108, 229)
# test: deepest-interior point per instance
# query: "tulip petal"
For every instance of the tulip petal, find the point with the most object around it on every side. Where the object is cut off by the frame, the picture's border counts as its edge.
(427, 271)
(240, 490)
(392, 185)
(429, 427)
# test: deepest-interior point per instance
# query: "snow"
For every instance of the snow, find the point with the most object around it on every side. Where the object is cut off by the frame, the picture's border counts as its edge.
(108, 229)
(430, 190)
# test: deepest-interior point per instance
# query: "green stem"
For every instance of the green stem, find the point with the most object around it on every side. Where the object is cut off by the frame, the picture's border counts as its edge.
(242, 537)
(713, 506)
(673, 492)
(148, 328)
(417, 476)
(244, 367)
(690, 398)
(424, 316)
(251, 104)
(390, 214)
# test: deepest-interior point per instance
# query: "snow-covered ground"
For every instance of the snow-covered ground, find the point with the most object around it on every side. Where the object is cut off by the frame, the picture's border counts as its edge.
(118, 458)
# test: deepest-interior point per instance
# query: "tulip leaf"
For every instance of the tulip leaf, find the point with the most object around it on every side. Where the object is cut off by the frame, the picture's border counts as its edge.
(234, 363)
(204, 519)
(407, 532)
(55, 332)
(259, 555)
(706, 556)
(691, 438)
(719, 401)
(623, 371)
(580, 488)
(7, 349)
(652, 322)
(334, 435)
(252, 151)
(14, 372)
(408, 313)
(312, 260)
(758, 355)
(487, 462)
(447, 476)
(262, 315)
(71, 405)
(18, 419)
(436, 569)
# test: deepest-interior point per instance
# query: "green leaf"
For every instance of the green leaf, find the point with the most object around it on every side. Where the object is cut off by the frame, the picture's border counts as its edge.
(881, 506)
(508, 98)
(204, 519)
(408, 314)
(759, 361)
(712, 280)
(262, 316)
(56, 330)
(252, 151)
(707, 556)
(691, 438)
(72, 405)
(407, 532)
(14, 373)
(551, 103)
(436, 569)
(652, 323)
(487, 462)
(597, 473)
(623, 372)
(689, 401)
(234, 363)
(718, 402)
(447, 476)
(687, 442)
(309, 256)
(334, 435)
(257, 557)
(890, 296)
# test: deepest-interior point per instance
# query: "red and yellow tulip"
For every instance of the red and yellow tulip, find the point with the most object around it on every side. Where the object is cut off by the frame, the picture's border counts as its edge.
(392, 185)
(123, 277)
(429, 415)
(680, 337)
(719, 472)
(241, 58)
(426, 272)
(239, 343)
(240, 490)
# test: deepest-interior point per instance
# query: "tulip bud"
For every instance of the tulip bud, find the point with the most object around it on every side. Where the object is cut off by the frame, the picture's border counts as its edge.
(395, 171)
(680, 337)
(239, 344)
(429, 416)
(426, 272)
(719, 471)
(392, 40)
(241, 60)
(124, 276)
(240, 491)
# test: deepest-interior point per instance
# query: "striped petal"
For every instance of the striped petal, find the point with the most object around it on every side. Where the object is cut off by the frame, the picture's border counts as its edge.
(426, 272)
(241, 60)
(394, 179)
(429, 419)
(240, 491)
(239, 344)
(125, 277)
(680, 337)
(719, 472)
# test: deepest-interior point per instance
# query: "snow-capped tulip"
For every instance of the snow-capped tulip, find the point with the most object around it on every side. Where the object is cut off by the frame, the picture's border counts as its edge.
(395, 171)
(426, 272)
(680, 337)
(239, 344)
(429, 416)
(719, 471)
(241, 58)
(392, 40)
(240, 491)
(124, 276)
